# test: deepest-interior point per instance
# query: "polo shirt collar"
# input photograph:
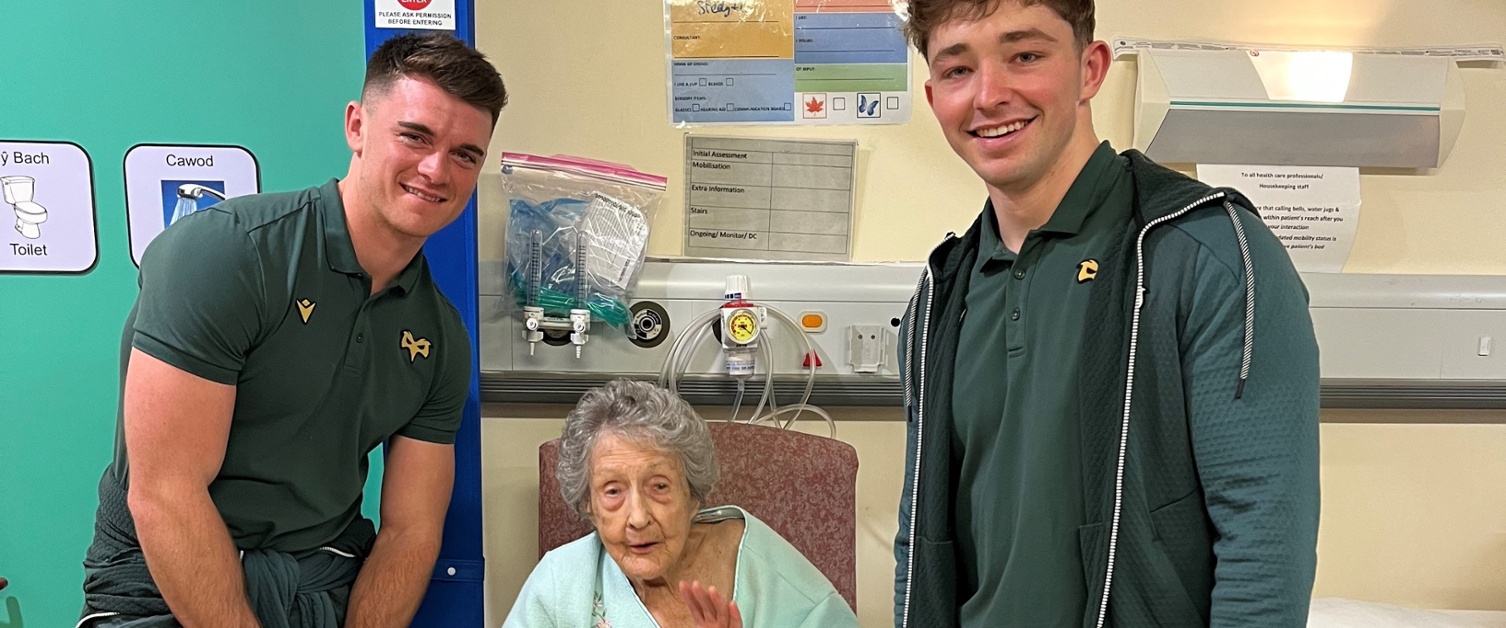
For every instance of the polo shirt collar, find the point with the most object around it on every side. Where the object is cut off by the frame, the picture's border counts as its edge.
(407, 279)
(991, 249)
(1088, 191)
(340, 253)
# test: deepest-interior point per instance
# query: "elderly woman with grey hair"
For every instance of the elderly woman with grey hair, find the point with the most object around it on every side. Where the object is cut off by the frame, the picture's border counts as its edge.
(638, 463)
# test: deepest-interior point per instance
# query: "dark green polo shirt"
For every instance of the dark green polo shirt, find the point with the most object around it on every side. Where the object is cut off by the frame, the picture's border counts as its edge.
(1015, 405)
(264, 293)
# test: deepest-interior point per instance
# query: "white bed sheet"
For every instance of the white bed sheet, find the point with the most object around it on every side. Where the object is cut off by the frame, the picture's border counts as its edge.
(1484, 619)
(1342, 613)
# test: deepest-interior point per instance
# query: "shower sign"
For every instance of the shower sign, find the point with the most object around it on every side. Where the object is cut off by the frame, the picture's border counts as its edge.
(165, 184)
(46, 208)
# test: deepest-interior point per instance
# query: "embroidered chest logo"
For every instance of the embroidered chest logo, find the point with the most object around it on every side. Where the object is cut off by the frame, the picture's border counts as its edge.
(415, 346)
(305, 309)
(1087, 270)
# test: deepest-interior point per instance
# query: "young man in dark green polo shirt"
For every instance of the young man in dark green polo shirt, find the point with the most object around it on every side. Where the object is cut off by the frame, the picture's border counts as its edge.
(277, 340)
(1111, 378)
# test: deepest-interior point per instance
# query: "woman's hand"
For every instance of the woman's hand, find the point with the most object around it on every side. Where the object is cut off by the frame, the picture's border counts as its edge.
(708, 609)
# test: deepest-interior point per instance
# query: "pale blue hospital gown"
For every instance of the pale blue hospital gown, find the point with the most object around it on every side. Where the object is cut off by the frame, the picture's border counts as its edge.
(775, 587)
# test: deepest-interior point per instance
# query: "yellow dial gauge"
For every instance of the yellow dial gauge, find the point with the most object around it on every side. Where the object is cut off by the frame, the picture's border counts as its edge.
(743, 326)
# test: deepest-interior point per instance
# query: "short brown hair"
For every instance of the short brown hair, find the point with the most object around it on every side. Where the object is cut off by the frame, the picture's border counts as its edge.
(926, 15)
(458, 69)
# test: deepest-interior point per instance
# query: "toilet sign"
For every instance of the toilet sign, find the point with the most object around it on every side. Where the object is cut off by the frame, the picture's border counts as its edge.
(46, 208)
(165, 184)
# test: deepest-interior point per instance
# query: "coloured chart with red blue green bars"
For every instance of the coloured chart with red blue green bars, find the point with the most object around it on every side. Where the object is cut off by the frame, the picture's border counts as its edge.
(786, 62)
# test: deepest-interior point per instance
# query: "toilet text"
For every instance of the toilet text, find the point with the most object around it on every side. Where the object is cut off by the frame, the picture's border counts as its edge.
(28, 249)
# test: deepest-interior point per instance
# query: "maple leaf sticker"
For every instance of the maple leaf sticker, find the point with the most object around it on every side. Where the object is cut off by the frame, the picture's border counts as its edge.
(814, 105)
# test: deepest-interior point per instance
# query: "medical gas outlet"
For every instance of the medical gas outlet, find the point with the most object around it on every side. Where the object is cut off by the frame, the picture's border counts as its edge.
(538, 327)
(742, 323)
(580, 328)
(533, 326)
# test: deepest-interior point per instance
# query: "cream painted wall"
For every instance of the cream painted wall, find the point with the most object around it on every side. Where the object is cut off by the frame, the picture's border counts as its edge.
(1446, 221)
(587, 78)
(1413, 514)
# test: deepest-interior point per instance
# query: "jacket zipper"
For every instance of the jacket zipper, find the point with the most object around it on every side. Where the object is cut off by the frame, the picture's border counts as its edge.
(928, 282)
(913, 306)
(1129, 387)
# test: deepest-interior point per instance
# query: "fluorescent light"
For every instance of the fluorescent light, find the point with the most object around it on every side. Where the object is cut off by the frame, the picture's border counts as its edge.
(1305, 76)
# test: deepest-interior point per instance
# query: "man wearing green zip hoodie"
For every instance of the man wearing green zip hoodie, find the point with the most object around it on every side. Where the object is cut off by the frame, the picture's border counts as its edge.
(1111, 378)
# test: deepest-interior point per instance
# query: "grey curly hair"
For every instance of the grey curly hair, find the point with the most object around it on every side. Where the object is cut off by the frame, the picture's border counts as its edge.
(637, 410)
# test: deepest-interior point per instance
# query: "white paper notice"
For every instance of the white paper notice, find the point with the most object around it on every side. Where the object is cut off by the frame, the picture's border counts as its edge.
(1314, 211)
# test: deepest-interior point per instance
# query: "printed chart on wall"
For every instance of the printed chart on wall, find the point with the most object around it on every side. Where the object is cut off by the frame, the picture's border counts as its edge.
(786, 62)
(46, 208)
(165, 184)
(769, 199)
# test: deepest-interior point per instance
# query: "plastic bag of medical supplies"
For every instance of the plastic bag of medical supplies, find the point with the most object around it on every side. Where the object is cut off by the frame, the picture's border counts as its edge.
(569, 213)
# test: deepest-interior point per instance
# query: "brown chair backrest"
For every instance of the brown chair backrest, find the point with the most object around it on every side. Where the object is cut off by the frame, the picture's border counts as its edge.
(803, 486)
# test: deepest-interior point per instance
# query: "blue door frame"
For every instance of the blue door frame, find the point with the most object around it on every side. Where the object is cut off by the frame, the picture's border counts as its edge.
(456, 597)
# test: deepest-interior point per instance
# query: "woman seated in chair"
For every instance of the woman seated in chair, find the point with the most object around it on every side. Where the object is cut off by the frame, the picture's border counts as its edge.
(637, 463)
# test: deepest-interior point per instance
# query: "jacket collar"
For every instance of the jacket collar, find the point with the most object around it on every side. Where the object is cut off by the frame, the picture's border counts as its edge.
(1160, 190)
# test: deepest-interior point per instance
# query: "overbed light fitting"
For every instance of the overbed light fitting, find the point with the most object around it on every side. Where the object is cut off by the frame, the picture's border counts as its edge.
(1304, 76)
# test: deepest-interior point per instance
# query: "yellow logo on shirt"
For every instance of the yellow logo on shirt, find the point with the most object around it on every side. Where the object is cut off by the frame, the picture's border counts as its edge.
(1087, 270)
(415, 347)
(305, 310)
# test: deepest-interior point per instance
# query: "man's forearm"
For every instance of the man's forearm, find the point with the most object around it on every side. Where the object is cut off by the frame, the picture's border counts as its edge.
(394, 578)
(192, 558)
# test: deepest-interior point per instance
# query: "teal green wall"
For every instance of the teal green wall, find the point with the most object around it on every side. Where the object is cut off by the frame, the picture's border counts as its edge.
(271, 76)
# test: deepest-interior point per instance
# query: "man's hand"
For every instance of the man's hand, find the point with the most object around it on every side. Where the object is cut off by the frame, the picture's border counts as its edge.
(708, 609)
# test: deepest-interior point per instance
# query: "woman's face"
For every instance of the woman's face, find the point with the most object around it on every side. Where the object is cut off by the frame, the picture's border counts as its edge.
(640, 504)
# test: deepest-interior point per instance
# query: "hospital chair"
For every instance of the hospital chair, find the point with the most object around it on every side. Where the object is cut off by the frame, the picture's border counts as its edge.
(804, 486)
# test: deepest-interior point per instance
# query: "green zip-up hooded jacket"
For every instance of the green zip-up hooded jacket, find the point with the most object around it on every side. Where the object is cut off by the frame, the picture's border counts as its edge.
(1198, 422)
